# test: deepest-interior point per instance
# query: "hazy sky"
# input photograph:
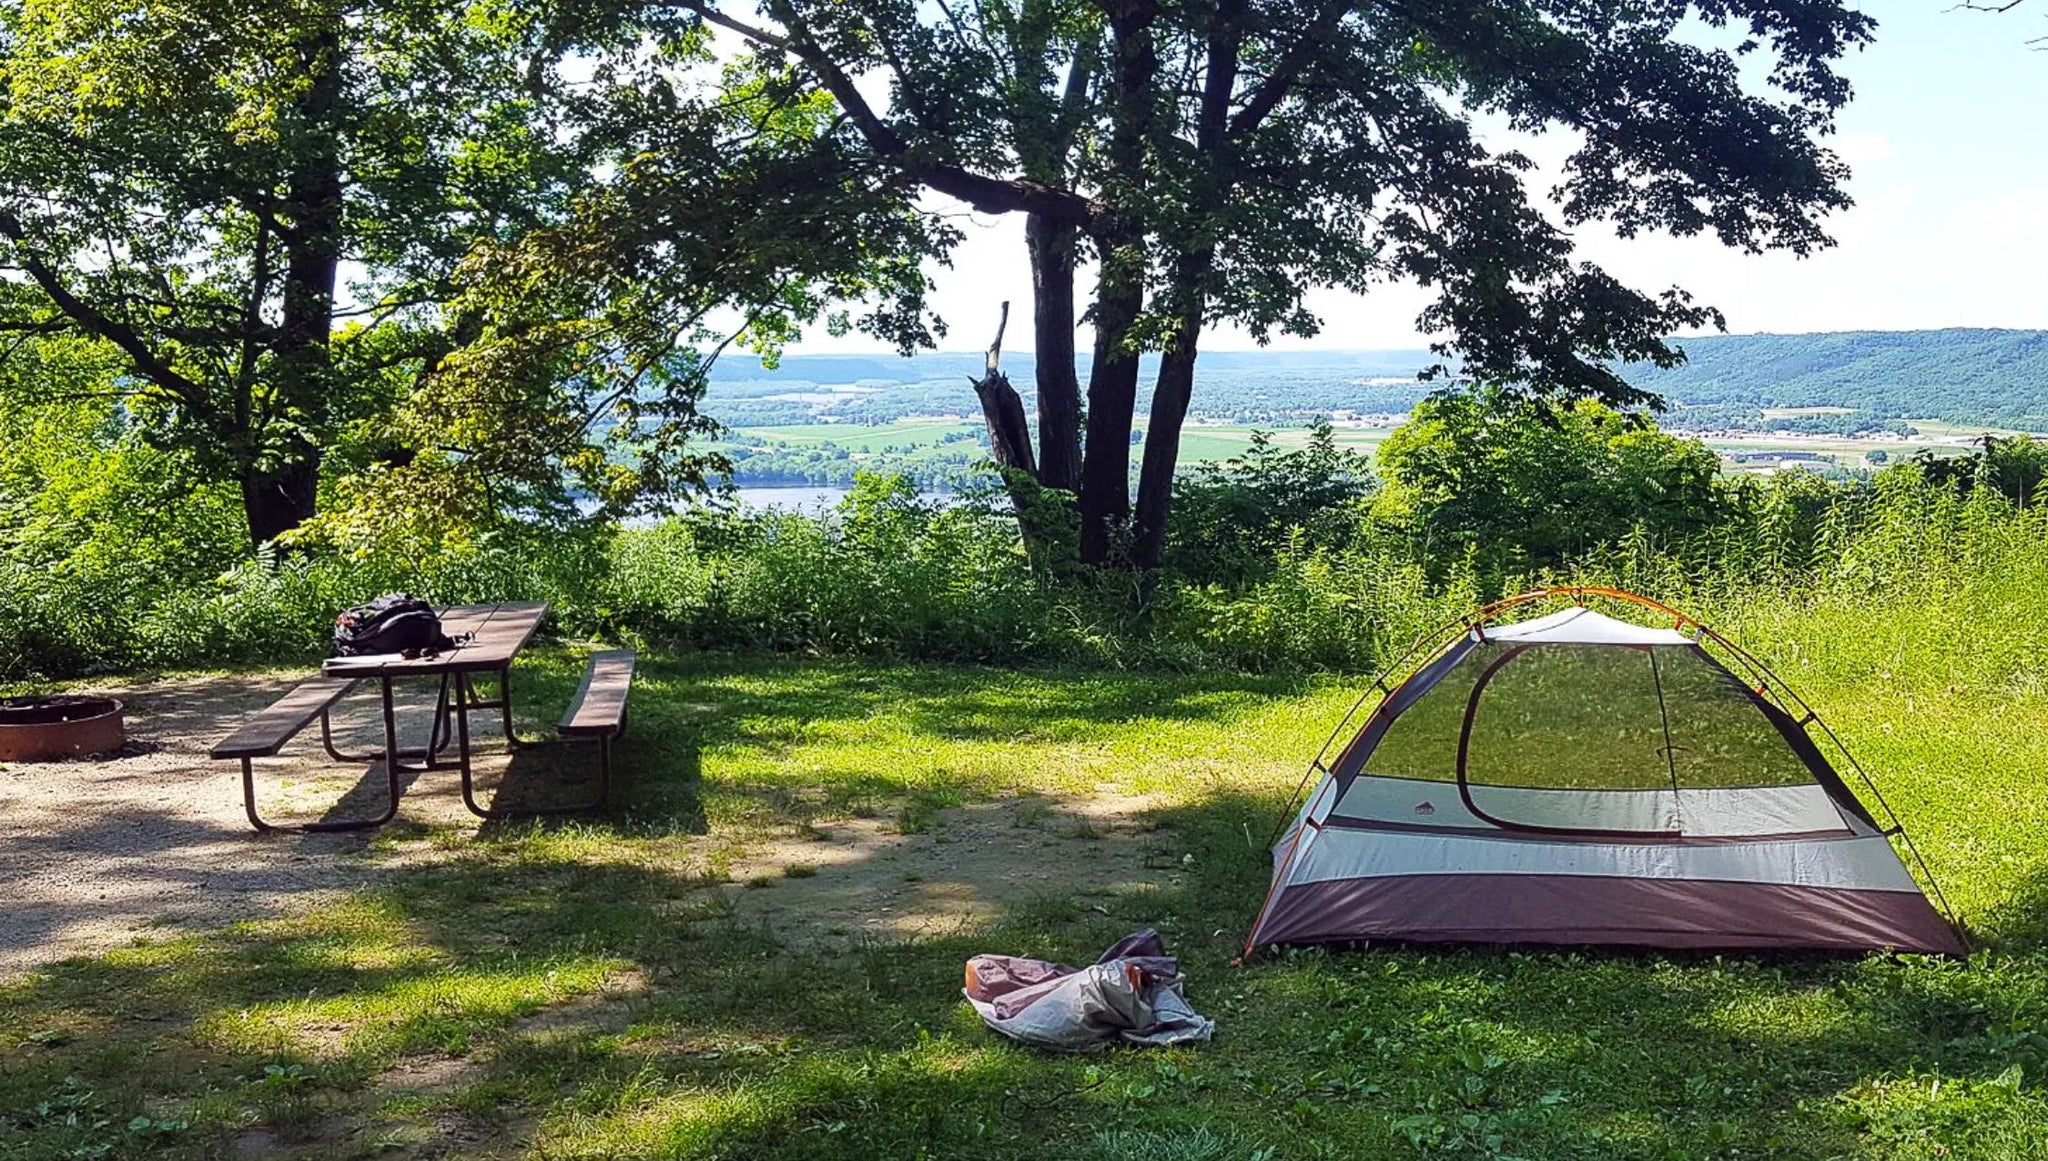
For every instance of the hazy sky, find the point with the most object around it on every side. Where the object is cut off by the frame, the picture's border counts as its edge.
(1950, 226)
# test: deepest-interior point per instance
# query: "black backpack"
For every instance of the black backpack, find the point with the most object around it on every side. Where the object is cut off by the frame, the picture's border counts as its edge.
(393, 623)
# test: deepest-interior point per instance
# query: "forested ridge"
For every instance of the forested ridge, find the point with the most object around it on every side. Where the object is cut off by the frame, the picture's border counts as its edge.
(1964, 376)
(1959, 375)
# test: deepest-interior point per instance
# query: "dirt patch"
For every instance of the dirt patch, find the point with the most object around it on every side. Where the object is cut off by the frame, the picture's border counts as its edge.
(152, 840)
(862, 878)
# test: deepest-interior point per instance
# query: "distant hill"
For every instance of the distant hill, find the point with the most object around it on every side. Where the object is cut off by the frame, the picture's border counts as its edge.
(1994, 378)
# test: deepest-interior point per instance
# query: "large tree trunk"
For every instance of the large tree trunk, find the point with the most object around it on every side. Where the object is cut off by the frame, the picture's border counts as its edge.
(1112, 398)
(1170, 399)
(1189, 289)
(279, 499)
(1059, 387)
(1119, 287)
(281, 490)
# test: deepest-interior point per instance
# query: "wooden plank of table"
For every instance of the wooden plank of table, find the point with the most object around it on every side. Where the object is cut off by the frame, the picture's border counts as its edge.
(498, 633)
(265, 732)
(503, 634)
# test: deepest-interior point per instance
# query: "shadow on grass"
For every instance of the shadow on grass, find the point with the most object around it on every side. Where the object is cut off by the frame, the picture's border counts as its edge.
(2019, 923)
(761, 699)
(745, 1043)
(656, 786)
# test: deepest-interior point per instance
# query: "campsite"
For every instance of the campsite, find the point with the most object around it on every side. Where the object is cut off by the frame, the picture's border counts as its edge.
(1070, 580)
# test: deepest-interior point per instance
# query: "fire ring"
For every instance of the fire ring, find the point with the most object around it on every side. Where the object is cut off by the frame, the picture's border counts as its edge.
(52, 727)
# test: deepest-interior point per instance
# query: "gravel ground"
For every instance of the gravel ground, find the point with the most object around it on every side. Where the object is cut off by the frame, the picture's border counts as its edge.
(94, 852)
(152, 842)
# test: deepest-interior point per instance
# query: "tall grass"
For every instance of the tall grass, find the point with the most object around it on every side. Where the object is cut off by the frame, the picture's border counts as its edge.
(1901, 583)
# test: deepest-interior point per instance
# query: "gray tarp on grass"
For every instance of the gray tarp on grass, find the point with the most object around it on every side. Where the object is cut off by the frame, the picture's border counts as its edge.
(1132, 994)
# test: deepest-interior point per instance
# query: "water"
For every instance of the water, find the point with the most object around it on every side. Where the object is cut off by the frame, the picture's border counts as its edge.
(810, 500)
(806, 499)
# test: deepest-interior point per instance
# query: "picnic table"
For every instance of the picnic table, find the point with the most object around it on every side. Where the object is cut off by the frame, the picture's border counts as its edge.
(488, 640)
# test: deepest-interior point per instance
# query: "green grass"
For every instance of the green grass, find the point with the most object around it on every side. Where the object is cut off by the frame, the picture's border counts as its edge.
(585, 989)
(1205, 442)
(863, 437)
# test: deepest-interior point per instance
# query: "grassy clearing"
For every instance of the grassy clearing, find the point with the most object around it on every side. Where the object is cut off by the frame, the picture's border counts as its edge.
(591, 989)
(866, 437)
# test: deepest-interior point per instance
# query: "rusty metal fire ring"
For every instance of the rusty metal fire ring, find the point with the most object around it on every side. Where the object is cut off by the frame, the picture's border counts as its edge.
(48, 728)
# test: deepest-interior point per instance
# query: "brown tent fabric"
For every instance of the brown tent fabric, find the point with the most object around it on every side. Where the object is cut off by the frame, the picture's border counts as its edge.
(1579, 779)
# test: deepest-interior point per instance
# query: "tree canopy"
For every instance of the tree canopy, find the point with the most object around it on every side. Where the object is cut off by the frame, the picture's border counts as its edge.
(1516, 485)
(1217, 160)
(481, 251)
(285, 218)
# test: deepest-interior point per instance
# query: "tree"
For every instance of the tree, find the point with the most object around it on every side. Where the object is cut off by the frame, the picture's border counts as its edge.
(1219, 158)
(1518, 484)
(311, 227)
(2013, 466)
(1232, 519)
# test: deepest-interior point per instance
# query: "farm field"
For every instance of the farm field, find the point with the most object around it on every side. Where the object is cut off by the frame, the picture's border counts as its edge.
(955, 442)
(866, 437)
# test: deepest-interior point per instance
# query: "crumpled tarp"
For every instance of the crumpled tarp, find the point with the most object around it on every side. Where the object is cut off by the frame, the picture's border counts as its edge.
(1131, 994)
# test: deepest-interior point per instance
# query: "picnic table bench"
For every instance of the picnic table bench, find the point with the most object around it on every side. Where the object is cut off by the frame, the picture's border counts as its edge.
(489, 639)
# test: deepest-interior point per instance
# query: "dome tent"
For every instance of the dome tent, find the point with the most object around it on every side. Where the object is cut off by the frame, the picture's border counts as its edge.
(1579, 779)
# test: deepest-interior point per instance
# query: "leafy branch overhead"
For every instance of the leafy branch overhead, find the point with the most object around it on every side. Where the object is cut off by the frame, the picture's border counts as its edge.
(288, 219)
(1218, 161)
(489, 251)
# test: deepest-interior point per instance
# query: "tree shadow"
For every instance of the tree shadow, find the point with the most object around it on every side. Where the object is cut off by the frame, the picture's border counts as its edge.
(745, 1041)
(728, 695)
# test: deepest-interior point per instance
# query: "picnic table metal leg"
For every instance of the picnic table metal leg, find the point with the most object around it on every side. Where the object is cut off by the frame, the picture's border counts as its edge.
(442, 734)
(256, 820)
(437, 741)
(503, 704)
(604, 777)
(391, 781)
(334, 752)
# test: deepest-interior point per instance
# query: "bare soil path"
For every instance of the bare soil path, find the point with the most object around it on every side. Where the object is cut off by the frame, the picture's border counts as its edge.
(95, 853)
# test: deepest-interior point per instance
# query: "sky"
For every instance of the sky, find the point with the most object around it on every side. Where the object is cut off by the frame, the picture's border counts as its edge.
(1950, 226)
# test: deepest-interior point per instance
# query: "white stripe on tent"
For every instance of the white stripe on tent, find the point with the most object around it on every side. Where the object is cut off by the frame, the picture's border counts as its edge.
(1718, 812)
(1866, 863)
(1580, 626)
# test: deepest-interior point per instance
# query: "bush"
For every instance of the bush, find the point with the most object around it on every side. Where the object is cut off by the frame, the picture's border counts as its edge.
(1279, 561)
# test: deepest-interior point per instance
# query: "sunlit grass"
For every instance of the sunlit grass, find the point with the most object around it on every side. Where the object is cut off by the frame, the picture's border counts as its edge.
(492, 964)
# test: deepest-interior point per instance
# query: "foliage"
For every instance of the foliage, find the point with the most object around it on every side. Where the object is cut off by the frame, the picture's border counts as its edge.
(2014, 468)
(887, 572)
(111, 559)
(1221, 161)
(1515, 486)
(325, 239)
(1279, 562)
(1231, 518)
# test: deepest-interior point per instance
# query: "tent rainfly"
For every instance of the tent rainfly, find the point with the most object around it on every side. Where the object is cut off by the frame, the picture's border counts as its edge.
(1579, 779)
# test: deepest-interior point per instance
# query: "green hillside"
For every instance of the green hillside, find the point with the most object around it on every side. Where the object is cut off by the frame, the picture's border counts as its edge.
(1969, 377)
(1841, 383)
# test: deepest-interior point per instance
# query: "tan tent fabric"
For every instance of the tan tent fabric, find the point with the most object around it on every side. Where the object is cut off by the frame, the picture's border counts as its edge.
(1578, 778)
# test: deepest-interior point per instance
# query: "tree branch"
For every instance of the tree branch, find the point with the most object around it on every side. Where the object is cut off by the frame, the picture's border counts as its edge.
(990, 195)
(124, 337)
(1273, 89)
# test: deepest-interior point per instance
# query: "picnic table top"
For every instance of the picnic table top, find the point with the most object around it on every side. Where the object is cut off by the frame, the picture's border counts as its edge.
(499, 633)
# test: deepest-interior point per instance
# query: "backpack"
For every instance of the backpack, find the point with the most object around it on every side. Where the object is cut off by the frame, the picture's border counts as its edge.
(393, 623)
